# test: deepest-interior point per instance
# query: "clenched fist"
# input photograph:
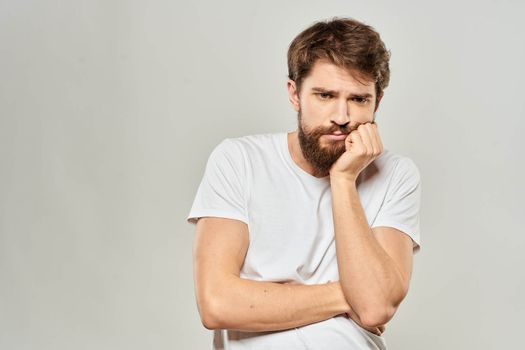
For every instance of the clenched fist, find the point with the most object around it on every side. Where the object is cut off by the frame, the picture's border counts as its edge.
(363, 145)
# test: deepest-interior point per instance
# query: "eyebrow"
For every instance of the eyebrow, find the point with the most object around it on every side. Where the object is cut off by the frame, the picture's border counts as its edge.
(333, 92)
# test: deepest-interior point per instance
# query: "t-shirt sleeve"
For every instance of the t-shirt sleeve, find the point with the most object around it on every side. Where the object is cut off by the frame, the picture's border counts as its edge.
(401, 206)
(221, 192)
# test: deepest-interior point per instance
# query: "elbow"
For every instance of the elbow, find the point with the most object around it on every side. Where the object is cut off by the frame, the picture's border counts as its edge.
(374, 312)
(378, 316)
(215, 304)
(209, 314)
(209, 306)
(208, 319)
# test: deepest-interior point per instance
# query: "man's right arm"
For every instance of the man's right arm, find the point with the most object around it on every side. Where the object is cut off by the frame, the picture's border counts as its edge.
(226, 301)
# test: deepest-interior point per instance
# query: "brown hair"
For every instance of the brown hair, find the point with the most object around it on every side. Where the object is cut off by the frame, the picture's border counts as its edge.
(345, 42)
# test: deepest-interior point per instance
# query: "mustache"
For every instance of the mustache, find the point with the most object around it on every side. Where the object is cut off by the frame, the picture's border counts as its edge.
(345, 129)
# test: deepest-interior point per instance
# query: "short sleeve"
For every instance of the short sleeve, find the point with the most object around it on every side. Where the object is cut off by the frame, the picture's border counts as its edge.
(221, 192)
(401, 206)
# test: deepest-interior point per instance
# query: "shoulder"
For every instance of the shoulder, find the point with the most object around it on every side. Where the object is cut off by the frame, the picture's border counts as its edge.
(251, 142)
(394, 163)
(393, 170)
(250, 145)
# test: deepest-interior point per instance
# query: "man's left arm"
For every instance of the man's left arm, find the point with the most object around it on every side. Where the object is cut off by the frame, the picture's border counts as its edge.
(375, 264)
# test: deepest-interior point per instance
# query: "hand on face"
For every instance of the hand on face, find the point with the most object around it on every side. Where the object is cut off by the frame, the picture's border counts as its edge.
(363, 145)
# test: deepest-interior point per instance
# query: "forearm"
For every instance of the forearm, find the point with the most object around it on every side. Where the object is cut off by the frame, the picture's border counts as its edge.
(369, 278)
(248, 305)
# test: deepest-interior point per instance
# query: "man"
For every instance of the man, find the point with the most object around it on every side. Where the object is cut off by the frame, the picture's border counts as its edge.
(304, 240)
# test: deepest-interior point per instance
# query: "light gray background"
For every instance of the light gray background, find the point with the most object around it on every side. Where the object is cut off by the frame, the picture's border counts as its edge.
(108, 112)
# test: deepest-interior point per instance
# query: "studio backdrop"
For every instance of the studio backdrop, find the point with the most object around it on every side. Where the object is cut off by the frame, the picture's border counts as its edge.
(110, 109)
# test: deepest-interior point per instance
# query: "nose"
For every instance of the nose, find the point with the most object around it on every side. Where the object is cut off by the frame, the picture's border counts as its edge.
(341, 114)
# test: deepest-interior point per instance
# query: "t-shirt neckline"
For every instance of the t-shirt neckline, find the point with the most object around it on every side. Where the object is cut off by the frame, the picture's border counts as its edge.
(296, 168)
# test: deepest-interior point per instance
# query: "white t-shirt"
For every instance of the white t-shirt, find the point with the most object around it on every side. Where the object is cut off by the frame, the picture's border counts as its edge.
(289, 216)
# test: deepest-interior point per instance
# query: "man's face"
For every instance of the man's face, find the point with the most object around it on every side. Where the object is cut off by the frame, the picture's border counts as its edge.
(332, 102)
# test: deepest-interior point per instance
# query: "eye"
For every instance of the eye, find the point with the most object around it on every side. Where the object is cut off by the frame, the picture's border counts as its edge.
(360, 100)
(324, 95)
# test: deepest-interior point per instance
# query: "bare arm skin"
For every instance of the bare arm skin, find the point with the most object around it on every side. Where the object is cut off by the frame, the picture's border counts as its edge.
(226, 301)
(374, 265)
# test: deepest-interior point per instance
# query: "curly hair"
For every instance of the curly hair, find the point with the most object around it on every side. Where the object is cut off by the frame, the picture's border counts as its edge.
(345, 42)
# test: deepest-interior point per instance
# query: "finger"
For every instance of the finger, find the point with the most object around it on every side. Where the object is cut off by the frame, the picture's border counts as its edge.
(366, 137)
(370, 137)
(376, 137)
(356, 141)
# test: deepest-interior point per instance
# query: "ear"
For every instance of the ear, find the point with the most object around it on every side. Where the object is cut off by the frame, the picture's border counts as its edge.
(377, 101)
(293, 94)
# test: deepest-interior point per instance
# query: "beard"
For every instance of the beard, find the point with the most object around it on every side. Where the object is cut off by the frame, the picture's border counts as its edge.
(321, 158)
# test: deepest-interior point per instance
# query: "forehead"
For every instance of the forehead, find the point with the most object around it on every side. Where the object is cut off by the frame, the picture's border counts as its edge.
(327, 75)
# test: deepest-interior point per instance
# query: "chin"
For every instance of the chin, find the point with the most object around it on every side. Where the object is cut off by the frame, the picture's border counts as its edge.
(334, 145)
